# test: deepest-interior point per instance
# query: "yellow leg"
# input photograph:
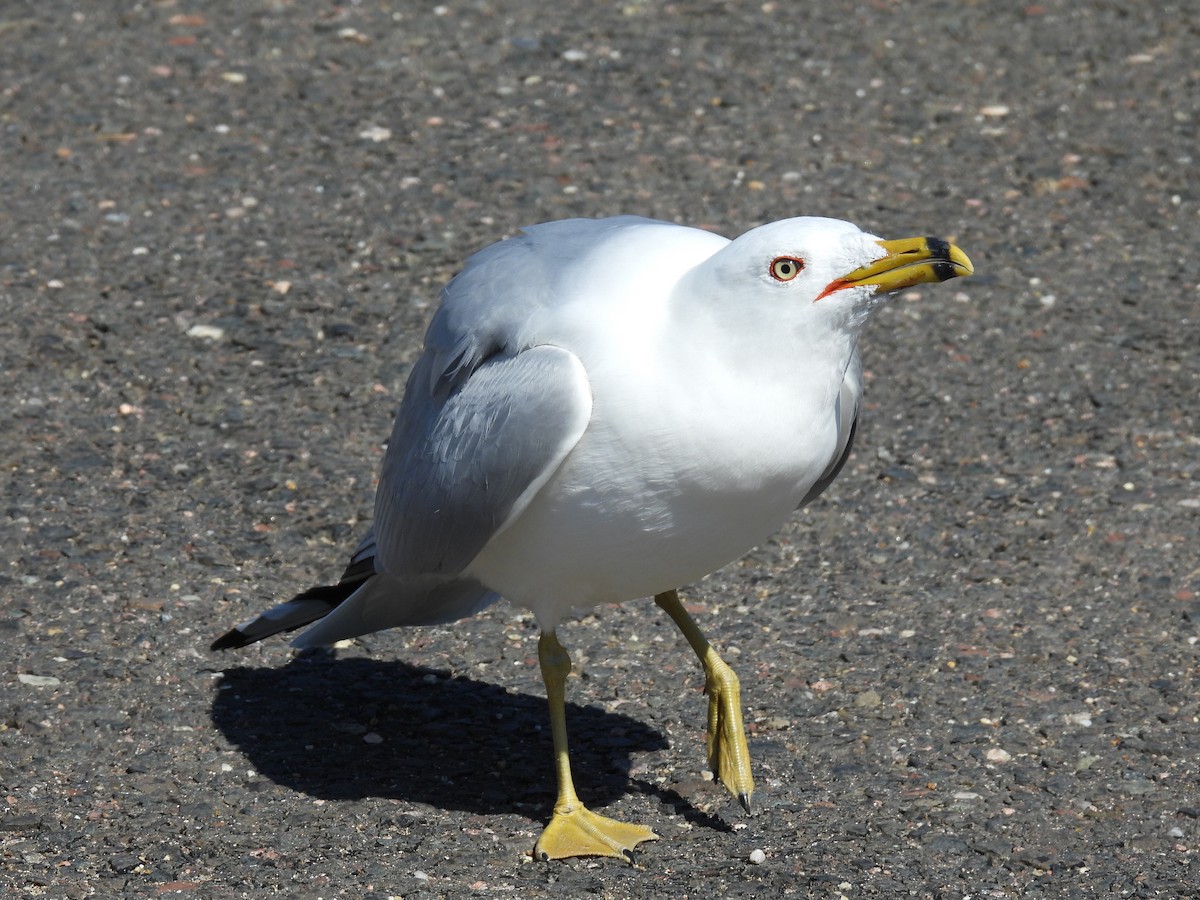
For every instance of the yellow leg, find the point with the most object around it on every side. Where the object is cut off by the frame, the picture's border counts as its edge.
(574, 830)
(728, 753)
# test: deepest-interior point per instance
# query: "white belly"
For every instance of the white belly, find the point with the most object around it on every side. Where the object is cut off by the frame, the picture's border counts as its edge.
(660, 491)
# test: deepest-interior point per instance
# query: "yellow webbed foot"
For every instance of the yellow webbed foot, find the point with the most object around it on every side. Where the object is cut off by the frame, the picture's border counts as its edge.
(575, 830)
(728, 752)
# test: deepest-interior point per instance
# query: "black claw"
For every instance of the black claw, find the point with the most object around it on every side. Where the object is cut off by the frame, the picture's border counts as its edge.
(744, 799)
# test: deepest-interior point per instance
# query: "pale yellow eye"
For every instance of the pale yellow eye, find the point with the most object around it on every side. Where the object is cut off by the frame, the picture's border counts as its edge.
(785, 268)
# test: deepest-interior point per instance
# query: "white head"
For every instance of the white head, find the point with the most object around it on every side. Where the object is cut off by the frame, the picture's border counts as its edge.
(824, 269)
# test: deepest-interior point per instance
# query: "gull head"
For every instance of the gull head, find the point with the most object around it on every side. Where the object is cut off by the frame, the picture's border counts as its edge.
(830, 266)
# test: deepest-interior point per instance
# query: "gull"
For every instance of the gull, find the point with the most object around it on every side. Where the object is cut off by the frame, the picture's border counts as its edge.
(605, 410)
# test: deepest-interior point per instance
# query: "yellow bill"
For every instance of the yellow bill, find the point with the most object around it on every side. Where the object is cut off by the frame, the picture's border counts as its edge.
(908, 261)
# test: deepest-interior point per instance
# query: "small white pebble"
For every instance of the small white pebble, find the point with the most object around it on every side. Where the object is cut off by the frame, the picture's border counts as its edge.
(758, 857)
(372, 738)
(38, 680)
(376, 133)
(211, 332)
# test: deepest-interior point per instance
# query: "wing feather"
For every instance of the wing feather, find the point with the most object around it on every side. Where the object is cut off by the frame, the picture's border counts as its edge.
(846, 410)
(458, 470)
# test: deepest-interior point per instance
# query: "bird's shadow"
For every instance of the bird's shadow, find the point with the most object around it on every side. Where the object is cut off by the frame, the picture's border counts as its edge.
(356, 728)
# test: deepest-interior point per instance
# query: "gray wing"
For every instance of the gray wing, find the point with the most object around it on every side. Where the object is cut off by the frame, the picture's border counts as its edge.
(847, 409)
(456, 472)
(490, 412)
(362, 602)
(496, 303)
(384, 602)
(459, 468)
(491, 409)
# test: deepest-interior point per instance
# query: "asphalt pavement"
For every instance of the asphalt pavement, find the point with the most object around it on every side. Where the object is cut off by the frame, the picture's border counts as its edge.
(969, 669)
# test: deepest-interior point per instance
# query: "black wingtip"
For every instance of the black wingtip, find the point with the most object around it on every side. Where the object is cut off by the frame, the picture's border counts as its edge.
(230, 640)
(303, 609)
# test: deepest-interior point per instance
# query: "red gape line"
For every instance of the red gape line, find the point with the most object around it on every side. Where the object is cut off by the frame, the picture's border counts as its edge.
(836, 285)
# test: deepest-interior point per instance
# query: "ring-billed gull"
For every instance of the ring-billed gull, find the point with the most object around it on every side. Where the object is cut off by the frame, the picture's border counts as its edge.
(605, 410)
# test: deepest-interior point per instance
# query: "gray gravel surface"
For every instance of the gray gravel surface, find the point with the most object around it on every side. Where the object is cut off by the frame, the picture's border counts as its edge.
(970, 669)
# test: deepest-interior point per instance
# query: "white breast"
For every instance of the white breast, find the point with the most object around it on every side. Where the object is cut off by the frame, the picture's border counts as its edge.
(673, 479)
